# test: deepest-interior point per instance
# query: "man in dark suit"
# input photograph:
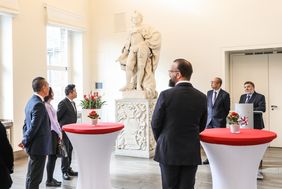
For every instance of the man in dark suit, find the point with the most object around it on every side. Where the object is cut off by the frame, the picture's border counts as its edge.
(258, 101)
(36, 133)
(6, 159)
(179, 116)
(218, 106)
(67, 114)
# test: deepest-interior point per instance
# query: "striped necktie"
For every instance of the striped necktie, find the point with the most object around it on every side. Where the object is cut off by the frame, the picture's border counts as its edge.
(248, 98)
(214, 97)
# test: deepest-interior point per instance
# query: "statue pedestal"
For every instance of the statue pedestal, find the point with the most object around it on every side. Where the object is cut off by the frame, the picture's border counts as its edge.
(136, 139)
(133, 94)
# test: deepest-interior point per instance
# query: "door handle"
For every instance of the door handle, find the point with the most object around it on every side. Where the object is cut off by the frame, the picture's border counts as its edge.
(273, 107)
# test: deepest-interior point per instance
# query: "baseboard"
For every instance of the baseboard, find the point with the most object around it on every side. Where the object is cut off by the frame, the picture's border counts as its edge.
(20, 155)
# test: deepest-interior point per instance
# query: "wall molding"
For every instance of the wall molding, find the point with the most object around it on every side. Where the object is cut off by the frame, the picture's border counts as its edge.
(61, 17)
(9, 7)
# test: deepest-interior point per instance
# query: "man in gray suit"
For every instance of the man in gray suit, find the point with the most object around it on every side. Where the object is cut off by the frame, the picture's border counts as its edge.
(36, 133)
(179, 116)
(218, 106)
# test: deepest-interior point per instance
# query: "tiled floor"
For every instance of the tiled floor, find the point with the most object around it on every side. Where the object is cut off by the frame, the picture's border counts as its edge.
(138, 173)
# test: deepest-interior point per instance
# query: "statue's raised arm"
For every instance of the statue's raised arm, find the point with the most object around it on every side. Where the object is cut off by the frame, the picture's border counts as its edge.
(140, 56)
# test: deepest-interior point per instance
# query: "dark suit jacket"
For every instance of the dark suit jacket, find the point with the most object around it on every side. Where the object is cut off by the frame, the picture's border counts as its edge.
(258, 101)
(179, 116)
(36, 130)
(218, 112)
(66, 113)
(6, 159)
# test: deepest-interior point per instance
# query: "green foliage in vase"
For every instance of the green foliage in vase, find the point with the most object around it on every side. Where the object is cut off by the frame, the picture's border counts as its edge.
(92, 101)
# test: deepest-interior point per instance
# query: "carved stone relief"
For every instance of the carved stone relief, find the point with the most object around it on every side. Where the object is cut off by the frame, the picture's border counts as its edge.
(137, 135)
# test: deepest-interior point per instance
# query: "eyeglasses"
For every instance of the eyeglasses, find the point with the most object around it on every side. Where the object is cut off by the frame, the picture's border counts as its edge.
(171, 71)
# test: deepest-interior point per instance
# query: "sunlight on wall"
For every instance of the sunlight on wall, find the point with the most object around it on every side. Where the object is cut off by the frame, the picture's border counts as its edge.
(185, 6)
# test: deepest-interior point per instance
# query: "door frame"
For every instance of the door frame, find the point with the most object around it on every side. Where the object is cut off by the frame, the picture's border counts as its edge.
(226, 59)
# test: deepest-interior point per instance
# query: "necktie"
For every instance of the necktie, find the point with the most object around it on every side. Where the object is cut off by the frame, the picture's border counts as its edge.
(248, 98)
(214, 97)
(73, 105)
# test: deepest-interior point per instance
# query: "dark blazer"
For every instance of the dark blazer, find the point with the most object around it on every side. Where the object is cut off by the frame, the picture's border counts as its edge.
(66, 113)
(36, 130)
(218, 112)
(179, 116)
(258, 101)
(6, 159)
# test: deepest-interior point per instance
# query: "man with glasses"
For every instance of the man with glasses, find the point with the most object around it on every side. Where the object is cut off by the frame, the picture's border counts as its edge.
(258, 101)
(179, 116)
(218, 106)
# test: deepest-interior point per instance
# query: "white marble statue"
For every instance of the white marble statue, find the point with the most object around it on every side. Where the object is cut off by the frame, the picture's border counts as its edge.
(140, 56)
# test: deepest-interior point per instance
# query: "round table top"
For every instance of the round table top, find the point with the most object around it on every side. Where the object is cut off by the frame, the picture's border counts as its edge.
(100, 128)
(245, 137)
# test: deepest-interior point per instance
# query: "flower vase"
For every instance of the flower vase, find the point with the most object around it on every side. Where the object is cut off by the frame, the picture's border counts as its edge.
(85, 112)
(234, 128)
(94, 121)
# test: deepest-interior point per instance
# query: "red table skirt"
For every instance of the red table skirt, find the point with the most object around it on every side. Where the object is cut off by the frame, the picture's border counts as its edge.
(245, 137)
(100, 128)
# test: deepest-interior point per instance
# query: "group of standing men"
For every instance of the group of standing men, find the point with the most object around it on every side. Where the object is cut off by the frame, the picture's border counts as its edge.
(219, 104)
(181, 113)
(37, 138)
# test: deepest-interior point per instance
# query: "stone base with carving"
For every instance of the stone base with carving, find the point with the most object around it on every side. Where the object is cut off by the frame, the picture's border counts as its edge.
(134, 94)
(136, 139)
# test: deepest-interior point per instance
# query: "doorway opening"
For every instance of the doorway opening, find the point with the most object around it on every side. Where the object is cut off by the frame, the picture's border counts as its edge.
(264, 68)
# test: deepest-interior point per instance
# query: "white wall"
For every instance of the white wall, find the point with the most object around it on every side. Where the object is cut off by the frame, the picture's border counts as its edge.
(29, 51)
(198, 30)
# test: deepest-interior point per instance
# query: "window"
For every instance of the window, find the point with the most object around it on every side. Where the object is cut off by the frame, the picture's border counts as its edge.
(57, 63)
(6, 66)
(64, 60)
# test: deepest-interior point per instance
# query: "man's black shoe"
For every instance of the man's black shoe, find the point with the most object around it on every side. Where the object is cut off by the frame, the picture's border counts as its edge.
(66, 176)
(72, 173)
(53, 183)
(259, 176)
(57, 181)
(206, 162)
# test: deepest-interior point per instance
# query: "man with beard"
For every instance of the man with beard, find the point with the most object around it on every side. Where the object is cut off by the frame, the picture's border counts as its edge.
(179, 116)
